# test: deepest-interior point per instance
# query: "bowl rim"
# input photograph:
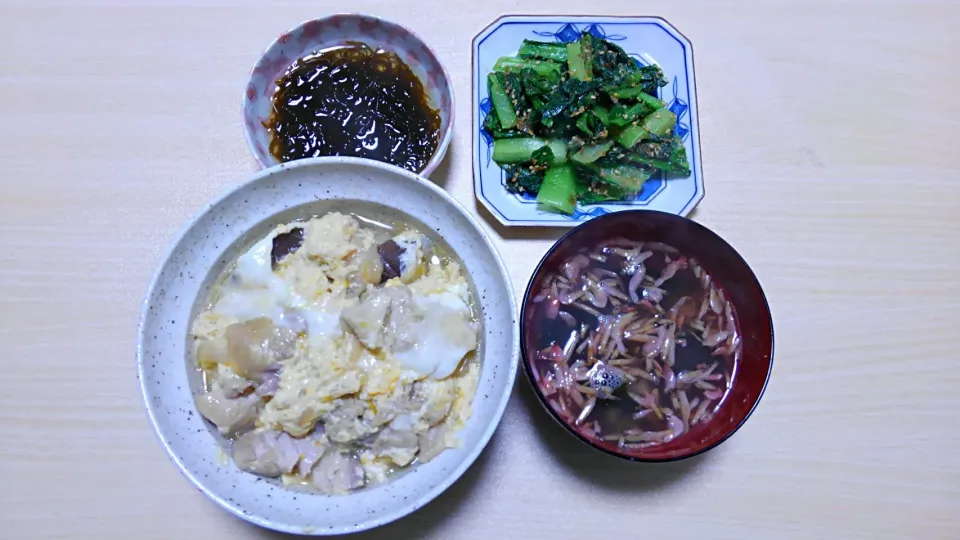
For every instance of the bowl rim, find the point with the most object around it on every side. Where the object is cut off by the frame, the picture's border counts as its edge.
(527, 296)
(701, 189)
(454, 474)
(442, 147)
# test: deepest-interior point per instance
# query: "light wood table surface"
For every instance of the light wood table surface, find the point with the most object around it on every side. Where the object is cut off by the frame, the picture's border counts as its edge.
(831, 143)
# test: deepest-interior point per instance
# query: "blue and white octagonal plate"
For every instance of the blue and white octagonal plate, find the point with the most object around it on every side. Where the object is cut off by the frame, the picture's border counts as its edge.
(651, 40)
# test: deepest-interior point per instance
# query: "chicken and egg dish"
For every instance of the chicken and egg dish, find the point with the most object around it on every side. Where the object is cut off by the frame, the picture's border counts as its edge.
(335, 354)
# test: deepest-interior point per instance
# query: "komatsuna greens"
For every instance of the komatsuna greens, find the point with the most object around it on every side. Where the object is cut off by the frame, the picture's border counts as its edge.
(580, 123)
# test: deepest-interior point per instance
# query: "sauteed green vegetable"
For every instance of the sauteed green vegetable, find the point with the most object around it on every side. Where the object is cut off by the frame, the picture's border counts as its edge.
(580, 123)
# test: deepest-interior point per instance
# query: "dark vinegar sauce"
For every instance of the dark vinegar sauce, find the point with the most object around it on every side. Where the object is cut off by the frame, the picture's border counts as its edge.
(351, 100)
(610, 417)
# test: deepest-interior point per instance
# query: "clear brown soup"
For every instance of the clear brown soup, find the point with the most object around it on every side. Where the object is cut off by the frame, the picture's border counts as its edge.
(636, 343)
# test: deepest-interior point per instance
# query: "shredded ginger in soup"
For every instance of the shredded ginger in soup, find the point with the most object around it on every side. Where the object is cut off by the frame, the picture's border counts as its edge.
(637, 344)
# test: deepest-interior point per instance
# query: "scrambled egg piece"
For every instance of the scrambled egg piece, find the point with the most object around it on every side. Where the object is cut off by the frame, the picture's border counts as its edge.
(333, 238)
(310, 382)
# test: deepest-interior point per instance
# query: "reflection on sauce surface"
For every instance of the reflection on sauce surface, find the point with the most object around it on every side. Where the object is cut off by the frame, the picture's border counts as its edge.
(351, 100)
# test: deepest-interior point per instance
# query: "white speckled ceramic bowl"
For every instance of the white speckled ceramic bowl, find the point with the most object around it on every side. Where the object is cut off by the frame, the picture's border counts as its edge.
(325, 32)
(223, 230)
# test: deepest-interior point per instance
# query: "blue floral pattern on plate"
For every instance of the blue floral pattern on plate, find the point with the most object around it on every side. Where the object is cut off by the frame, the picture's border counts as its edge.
(646, 39)
(569, 33)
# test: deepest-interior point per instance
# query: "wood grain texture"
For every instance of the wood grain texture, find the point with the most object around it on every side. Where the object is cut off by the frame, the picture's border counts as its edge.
(829, 133)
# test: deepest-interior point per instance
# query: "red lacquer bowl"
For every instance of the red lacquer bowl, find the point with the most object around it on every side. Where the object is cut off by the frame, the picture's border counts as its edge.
(727, 268)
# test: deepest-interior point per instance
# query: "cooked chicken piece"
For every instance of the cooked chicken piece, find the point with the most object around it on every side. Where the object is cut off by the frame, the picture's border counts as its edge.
(266, 452)
(211, 352)
(385, 318)
(432, 443)
(371, 266)
(294, 320)
(229, 415)
(337, 473)
(232, 384)
(355, 290)
(365, 319)
(400, 333)
(255, 346)
(311, 449)
(460, 334)
(269, 385)
(400, 445)
(390, 406)
(345, 423)
(437, 398)
(430, 334)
